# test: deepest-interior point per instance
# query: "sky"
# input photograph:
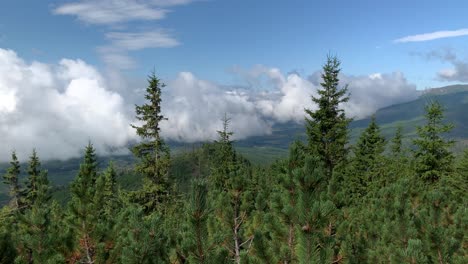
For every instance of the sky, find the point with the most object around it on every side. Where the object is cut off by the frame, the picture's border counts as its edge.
(71, 71)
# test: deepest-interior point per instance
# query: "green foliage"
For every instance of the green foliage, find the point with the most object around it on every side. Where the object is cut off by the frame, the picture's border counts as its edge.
(433, 158)
(231, 198)
(327, 126)
(140, 238)
(367, 160)
(313, 207)
(315, 214)
(11, 178)
(397, 145)
(152, 152)
(197, 245)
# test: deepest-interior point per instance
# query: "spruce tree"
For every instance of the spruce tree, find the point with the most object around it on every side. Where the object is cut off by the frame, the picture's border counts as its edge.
(396, 148)
(327, 126)
(152, 152)
(432, 155)
(32, 185)
(369, 147)
(83, 208)
(367, 160)
(11, 178)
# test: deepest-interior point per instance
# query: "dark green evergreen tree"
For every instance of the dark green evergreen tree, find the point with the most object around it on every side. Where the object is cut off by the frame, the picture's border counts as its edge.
(197, 244)
(231, 199)
(367, 161)
(284, 199)
(327, 126)
(433, 158)
(140, 238)
(152, 152)
(11, 178)
(368, 149)
(84, 211)
(8, 251)
(396, 148)
(34, 170)
(36, 237)
(315, 228)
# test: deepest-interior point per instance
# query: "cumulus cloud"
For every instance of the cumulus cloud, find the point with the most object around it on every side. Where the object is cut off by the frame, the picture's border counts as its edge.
(433, 35)
(292, 93)
(57, 109)
(195, 108)
(372, 92)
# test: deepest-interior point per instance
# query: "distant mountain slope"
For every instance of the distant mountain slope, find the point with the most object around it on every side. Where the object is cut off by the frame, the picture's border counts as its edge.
(408, 115)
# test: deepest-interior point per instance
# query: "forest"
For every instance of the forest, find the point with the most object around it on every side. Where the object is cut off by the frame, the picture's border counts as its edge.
(377, 200)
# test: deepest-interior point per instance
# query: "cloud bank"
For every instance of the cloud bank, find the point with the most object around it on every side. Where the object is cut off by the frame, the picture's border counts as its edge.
(58, 108)
(433, 35)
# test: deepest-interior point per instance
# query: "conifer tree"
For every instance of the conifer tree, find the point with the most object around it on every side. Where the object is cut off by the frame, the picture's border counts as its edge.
(315, 231)
(8, 251)
(283, 220)
(33, 182)
(397, 144)
(327, 126)
(107, 192)
(197, 242)
(367, 160)
(106, 203)
(152, 152)
(11, 178)
(140, 239)
(369, 147)
(432, 156)
(83, 208)
(231, 196)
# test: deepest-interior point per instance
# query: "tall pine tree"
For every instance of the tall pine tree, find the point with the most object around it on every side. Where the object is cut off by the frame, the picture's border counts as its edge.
(152, 152)
(327, 126)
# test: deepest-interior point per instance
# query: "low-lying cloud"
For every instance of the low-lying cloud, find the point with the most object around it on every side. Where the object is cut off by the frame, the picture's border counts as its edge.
(58, 108)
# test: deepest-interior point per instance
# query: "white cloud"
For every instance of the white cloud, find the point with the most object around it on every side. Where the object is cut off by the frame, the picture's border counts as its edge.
(375, 91)
(194, 109)
(57, 109)
(433, 35)
(141, 40)
(117, 11)
(121, 12)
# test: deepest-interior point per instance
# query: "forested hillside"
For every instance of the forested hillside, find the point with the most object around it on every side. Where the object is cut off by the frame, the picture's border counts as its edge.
(372, 200)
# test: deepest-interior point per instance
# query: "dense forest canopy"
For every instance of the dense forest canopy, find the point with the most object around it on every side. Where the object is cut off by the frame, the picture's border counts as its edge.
(329, 201)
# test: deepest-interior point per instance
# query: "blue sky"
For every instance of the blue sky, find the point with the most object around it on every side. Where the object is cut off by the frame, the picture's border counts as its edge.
(72, 71)
(213, 36)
